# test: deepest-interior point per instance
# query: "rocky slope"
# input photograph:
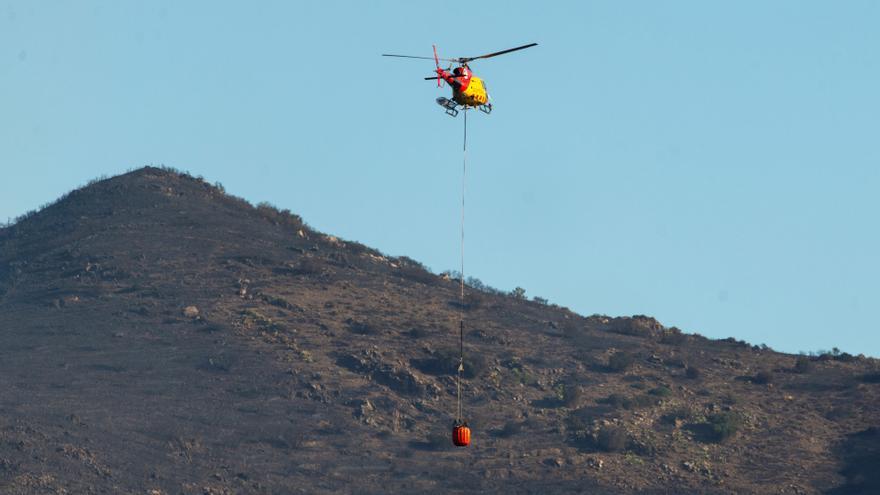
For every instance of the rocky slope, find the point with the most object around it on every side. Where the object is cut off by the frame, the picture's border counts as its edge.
(158, 336)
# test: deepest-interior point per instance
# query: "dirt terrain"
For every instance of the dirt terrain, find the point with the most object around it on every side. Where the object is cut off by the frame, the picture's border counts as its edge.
(158, 336)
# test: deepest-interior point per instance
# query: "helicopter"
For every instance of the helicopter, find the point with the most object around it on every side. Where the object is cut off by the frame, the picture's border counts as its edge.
(468, 90)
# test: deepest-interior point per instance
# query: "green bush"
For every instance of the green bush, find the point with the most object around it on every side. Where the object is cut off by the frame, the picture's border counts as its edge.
(568, 395)
(522, 375)
(636, 402)
(661, 391)
(724, 425)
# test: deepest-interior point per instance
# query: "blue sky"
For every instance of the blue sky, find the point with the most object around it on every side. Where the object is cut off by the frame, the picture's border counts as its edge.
(714, 164)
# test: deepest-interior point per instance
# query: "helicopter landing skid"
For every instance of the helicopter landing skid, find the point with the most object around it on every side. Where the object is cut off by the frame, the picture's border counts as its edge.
(449, 105)
(487, 108)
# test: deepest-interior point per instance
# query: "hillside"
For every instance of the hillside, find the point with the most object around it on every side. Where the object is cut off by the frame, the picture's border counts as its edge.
(158, 336)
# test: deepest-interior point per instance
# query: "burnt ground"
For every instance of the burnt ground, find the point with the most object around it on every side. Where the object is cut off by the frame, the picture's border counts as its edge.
(158, 336)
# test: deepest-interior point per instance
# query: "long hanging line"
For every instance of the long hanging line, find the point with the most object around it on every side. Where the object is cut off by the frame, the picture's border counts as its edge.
(461, 292)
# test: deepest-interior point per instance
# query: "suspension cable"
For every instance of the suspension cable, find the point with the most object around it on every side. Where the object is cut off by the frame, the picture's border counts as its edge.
(459, 419)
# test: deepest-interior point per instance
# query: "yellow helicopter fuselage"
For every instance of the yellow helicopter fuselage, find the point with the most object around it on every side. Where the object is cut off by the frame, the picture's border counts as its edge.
(473, 95)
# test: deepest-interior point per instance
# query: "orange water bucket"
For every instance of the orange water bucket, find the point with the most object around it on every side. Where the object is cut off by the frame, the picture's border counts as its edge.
(461, 435)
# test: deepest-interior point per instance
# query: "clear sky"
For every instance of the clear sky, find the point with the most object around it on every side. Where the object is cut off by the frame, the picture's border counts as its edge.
(713, 164)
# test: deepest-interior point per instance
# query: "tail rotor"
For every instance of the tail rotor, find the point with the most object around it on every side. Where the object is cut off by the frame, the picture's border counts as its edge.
(437, 63)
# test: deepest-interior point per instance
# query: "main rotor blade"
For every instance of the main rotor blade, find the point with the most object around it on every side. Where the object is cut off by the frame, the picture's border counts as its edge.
(425, 58)
(465, 60)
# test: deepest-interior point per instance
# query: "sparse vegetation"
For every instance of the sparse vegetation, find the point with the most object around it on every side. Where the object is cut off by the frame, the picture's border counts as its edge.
(473, 300)
(437, 441)
(310, 266)
(681, 413)
(445, 362)
(672, 336)
(871, 377)
(417, 273)
(626, 402)
(363, 327)
(522, 375)
(253, 318)
(509, 429)
(637, 326)
(218, 363)
(473, 283)
(803, 364)
(834, 354)
(620, 361)
(418, 333)
(280, 217)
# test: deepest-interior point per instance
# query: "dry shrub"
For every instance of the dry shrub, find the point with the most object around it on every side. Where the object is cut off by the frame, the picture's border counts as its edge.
(693, 372)
(763, 377)
(803, 365)
(638, 326)
(611, 439)
(310, 266)
(362, 327)
(418, 333)
(279, 217)
(571, 395)
(417, 273)
(681, 413)
(871, 377)
(620, 361)
(636, 402)
(445, 362)
(220, 363)
(509, 429)
(672, 336)
(437, 441)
